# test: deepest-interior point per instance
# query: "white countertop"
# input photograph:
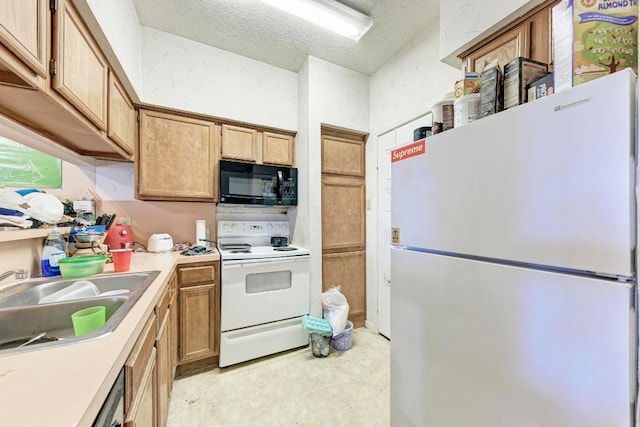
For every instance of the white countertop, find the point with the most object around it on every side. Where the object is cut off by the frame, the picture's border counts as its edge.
(66, 386)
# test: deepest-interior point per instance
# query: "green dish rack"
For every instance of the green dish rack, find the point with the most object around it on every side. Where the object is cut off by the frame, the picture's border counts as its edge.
(316, 325)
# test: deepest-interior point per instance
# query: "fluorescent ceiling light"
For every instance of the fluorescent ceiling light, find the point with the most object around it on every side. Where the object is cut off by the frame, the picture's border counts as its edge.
(329, 14)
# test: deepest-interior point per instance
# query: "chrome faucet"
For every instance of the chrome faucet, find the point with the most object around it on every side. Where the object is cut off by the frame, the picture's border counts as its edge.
(18, 272)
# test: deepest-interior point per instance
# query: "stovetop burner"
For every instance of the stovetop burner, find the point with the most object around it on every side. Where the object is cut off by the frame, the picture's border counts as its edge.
(240, 251)
(285, 248)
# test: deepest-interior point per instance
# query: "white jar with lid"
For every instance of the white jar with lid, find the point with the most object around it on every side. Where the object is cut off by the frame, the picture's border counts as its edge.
(442, 114)
(466, 109)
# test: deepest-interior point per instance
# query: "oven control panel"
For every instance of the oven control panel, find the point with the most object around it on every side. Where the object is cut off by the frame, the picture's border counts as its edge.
(252, 228)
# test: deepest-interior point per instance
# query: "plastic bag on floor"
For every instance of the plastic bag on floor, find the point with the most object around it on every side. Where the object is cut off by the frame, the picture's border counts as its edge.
(335, 309)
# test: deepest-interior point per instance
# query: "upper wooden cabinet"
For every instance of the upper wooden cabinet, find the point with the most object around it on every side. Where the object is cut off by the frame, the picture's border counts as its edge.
(528, 36)
(177, 158)
(277, 149)
(239, 143)
(122, 116)
(251, 145)
(342, 156)
(23, 30)
(81, 71)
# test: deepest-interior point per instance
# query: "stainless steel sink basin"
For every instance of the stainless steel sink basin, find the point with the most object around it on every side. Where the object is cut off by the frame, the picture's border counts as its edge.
(22, 318)
(23, 323)
(31, 292)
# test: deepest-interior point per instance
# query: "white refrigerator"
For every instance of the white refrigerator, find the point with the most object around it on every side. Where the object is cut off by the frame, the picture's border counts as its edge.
(513, 295)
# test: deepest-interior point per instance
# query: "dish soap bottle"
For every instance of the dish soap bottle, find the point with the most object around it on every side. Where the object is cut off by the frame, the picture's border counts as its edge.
(55, 248)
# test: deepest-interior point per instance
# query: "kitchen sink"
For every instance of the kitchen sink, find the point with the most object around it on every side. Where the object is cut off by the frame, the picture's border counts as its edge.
(22, 318)
(33, 291)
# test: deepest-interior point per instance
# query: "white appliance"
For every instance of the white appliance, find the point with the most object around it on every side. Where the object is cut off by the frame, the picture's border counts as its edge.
(264, 292)
(513, 297)
(160, 242)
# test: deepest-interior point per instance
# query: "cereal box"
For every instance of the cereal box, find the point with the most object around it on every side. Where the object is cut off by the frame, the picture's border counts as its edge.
(593, 38)
(468, 85)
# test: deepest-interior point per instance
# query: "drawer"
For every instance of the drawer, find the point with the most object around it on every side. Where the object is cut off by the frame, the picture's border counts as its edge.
(196, 275)
(138, 360)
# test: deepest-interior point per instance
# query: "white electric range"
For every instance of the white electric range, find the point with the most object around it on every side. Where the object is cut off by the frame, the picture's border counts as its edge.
(264, 291)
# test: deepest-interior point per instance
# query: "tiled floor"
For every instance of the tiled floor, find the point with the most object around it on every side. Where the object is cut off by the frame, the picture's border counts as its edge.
(348, 388)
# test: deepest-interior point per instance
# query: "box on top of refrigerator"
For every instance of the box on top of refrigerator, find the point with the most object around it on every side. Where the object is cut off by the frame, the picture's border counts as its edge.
(593, 38)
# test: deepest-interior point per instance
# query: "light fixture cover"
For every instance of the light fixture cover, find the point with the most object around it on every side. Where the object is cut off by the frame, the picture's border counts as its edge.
(328, 14)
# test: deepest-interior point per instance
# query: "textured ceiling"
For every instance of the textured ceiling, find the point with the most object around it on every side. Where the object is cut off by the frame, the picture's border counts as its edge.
(256, 30)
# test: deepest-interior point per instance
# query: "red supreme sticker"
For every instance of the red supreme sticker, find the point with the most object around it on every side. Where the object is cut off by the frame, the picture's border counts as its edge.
(409, 151)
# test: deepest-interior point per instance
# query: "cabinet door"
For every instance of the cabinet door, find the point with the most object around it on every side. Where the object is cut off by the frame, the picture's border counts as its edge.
(277, 149)
(173, 338)
(197, 323)
(136, 364)
(122, 116)
(82, 72)
(143, 410)
(23, 29)
(343, 210)
(175, 158)
(163, 369)
(347, 269)
(342, 156)
(239, 143)
(508, 46)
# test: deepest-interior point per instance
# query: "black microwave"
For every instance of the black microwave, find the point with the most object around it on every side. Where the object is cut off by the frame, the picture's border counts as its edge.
(251, 184)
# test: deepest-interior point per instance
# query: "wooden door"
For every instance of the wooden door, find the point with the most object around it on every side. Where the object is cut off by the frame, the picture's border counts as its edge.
(343, 212)
(343, 219)
(82, 72)
(348, 270)
(197, 317)
(163, 369)
(277, 149)
(176, 158)
(23, 30)
(342, 155)
(143, 410)
(239, 143)
(122, 116)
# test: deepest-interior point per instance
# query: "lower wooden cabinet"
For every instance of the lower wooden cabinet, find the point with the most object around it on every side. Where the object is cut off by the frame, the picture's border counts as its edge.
(198, 301)
(140, 379)
(173, 336)
(143, 409)
(164, 370)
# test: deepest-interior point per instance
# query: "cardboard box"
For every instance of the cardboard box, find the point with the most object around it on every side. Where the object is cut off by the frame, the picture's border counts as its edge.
(592, 39)
(540, 88)
(468, 85)
(491, 91)
(518, 73)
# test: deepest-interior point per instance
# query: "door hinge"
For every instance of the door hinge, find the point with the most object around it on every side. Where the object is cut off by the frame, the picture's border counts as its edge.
(52, 67)
(53, 5)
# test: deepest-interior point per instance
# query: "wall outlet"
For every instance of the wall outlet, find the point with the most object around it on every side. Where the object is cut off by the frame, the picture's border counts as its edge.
(125, 221)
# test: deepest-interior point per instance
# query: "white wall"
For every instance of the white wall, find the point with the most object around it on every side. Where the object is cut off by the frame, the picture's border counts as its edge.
(403, 89)
(118, 21)
(337, 97)
(191, 76)
(407, 86)
(463, 23)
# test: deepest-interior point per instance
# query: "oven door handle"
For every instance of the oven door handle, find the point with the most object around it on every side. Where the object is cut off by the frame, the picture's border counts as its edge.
(237, 263)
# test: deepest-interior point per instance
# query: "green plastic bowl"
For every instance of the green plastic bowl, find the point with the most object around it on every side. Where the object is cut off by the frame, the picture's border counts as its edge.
(81, 266)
